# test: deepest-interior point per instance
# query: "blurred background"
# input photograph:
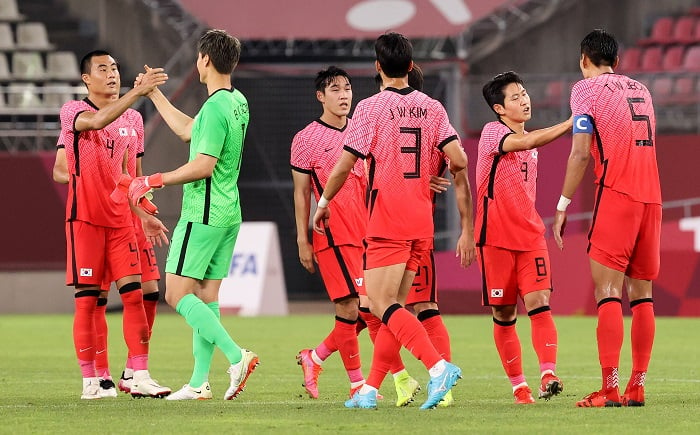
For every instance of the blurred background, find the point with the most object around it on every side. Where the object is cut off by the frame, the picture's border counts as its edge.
(459, 44)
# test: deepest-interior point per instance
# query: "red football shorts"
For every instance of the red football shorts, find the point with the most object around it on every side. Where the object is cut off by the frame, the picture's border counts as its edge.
(149, 266)
(424, 288)
(508, 274)
(99, 254)
(341, 271)
(626, 235)
(386, 252)
(147, 257)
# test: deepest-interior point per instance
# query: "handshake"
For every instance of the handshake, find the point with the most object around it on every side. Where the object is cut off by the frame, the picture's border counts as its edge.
(138, 190)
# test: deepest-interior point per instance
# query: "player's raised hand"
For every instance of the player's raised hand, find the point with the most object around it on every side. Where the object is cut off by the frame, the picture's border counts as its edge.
(140, 186)
(558, 227)
(439, 184)
(148, 81)
(321, 216)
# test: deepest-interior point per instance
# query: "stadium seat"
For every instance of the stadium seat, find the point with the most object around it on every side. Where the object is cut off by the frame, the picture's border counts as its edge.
(9, 11)
(629, 59)
(684, 29)
(651, 59)
(684, 90)
(7, 38)
(33, 36)
(5, 74)
(57, 93)
(691, 61)
(660, 32)
(661, 89)
(23, 96)
(28, 66)
(62, 65)
(2, 98)
(673, 58)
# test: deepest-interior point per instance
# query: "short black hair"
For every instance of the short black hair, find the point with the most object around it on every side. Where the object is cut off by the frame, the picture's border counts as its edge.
(224, 50)
(86, 61)
(415, 78)
(326, 77)
(493, 89)
(394, 53)
(600, 47)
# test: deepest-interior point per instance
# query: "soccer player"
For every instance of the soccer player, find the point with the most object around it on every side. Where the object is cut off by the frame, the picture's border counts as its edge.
(614, 123)
(512, 251)
(149, 267)
(338, 252)
(396, 131)
(203, 240)
(101, 243)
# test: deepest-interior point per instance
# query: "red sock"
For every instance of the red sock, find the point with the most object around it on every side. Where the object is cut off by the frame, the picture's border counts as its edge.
(371, 321)
(643, 330)
(373, 325)
(411, 334)
(435, 327)
(508, 345)
(134, 323)
(610, 332)
(84, 330)
(345, 333)
(386, 347)
(150, 304)
(101, 355)
(544, 336)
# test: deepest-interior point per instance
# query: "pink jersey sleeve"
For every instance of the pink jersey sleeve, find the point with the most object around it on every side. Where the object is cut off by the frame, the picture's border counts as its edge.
(300, 158)
(581, 101)
(361, 132)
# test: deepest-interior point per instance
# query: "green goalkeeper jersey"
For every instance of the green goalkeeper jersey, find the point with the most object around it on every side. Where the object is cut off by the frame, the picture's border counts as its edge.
(218, 131)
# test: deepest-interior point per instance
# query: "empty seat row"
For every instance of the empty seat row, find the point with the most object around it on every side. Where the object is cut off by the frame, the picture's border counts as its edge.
(29, 36)
(60, 65)
(658, 58)
(669, 30)
(31, 96)
(667, 89)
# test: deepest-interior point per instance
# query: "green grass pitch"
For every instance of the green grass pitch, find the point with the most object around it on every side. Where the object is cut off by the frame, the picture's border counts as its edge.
(40, 383)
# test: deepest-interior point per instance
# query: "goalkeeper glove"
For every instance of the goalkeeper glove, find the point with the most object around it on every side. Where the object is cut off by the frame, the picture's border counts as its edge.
(122, 189)
(140, 186)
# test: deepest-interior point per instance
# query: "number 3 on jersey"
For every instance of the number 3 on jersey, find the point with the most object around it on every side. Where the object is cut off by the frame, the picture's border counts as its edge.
(416, 132)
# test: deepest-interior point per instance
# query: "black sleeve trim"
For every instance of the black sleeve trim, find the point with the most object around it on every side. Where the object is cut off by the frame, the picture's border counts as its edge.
(60, 146)
(302, 170)
(355, 152)
(442, 144)
(500, 144)
(139, 155)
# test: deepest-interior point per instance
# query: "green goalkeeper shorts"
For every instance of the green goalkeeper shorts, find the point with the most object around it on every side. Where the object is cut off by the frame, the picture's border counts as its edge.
(201, 251)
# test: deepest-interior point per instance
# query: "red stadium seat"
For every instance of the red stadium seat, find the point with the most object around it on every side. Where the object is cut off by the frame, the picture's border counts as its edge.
(662, 88)
(661, 32)
(673, 58)
(651, 59)
(691, 61)
(683, 30)
(684, 90)
(629, 59)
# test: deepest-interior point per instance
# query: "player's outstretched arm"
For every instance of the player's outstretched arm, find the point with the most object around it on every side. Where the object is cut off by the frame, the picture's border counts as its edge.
(575, 170)
(179, 123)
(97, 120)
(536, 138)
(466, 247)
(302, 209)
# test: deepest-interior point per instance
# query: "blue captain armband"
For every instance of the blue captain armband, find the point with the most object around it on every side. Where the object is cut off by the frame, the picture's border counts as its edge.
(583, 124)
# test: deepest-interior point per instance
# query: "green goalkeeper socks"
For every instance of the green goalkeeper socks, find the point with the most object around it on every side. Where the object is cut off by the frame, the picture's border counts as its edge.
(203, 351)
(207, 325)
